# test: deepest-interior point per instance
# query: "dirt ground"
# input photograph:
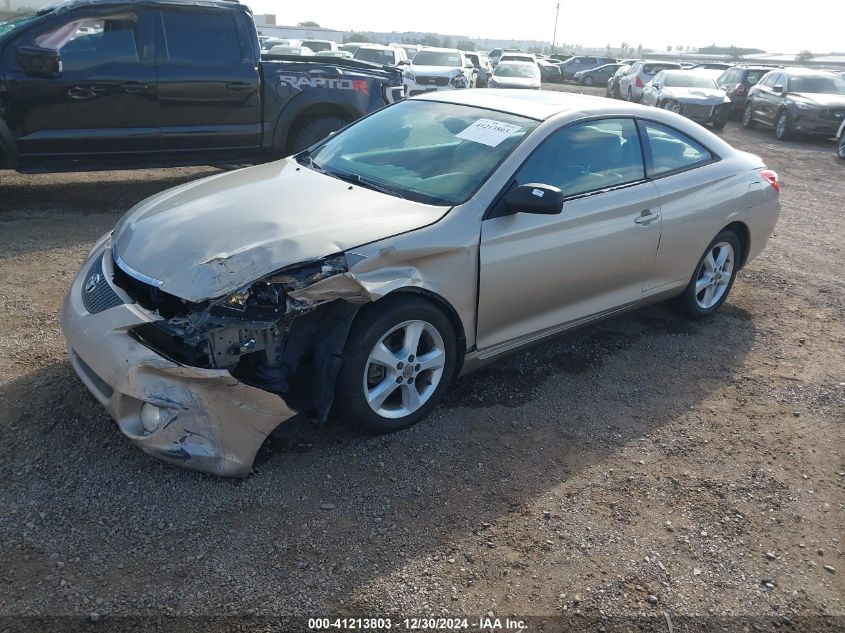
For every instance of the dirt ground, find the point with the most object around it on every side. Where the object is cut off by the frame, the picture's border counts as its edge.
(643, 466)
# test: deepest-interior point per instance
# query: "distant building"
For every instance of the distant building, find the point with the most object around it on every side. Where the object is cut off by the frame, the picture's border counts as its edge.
(299, 32)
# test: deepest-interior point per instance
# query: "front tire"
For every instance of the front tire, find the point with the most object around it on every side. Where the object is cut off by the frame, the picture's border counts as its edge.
(713, 278)
(840, 148)
(748, 121)
(720, 117)
(400, 357)
(630, 95)
(783, 127)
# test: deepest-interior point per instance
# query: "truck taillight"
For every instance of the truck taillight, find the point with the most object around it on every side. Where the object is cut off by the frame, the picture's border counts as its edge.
(639, 82)
(771, 177)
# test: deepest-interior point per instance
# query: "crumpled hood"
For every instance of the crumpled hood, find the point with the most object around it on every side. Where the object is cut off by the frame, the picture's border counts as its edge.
(207, 238)
(434, 71)
(703, 96)
(822, 100)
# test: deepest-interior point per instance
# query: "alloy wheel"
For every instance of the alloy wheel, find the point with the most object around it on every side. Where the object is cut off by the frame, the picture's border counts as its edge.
(404, 369)
(840, 150)
(714, 275)
(781, 127)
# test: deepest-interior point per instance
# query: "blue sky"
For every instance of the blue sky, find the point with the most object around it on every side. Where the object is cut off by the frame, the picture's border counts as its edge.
(774, 25)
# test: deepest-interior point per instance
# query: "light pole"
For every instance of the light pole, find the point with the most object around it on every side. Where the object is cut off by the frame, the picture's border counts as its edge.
(554, 35)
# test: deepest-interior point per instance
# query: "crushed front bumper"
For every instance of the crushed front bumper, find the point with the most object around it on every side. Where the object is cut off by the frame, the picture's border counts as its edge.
(212, 422)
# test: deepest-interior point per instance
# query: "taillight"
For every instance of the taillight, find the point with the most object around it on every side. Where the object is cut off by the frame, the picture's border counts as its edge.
(639, 82)
(771, 177)
(739, 90)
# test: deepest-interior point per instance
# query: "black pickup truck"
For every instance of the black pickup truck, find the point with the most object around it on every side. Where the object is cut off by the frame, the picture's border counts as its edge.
(92, 84)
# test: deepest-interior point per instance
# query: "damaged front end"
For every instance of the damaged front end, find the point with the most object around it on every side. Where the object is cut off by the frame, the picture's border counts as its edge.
(261, 333)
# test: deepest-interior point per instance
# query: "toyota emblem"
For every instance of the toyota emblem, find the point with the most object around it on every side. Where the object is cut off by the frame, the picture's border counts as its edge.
(92, 282)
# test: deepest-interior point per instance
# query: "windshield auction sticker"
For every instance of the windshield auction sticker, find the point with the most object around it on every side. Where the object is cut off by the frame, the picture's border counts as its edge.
(488, 132)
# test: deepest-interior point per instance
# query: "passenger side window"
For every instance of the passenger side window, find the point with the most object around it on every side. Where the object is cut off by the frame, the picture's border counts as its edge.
(91, 42)
(587, 157)
(671, 150)
(208, 39)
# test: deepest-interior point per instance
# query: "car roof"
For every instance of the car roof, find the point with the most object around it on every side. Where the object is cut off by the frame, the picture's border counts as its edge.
(534, 104)
(800, 70)
(67, 5)
(439, 50)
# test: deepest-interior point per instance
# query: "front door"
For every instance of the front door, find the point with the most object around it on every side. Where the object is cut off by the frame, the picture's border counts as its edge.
(209, 86)
(539, 273)
(102, 104)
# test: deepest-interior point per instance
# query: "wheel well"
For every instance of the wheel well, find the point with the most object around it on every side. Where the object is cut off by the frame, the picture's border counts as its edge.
(317, 112)
(744, 236)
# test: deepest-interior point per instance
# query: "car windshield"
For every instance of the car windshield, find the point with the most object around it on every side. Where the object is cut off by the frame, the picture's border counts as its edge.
(817, 84)
(517, 69)
(754, 76)
(426, 151)
(377, 55)
(437, 58)
(688, 80)
(9, 27)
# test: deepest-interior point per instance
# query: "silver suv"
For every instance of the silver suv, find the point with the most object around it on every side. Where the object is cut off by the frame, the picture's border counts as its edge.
(632, 83)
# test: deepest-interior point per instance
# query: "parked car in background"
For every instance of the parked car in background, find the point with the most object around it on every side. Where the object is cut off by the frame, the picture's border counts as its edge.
(292, 51)
(549, 71)
(378, 54)
(483, 68)
(340, 54)
(688, 93)
(631, 84)
(438, 69)
(582, 62)
(360, 294)
(738, 80)
(351, 47)
(266, 43)
(496, 54)
(320, 45)
(797, 101)
(410, 49)
(517, 74)
(518, 57)
(598, 75)
(94, 84)
(561, 57)
(613, 83)
(711, 66)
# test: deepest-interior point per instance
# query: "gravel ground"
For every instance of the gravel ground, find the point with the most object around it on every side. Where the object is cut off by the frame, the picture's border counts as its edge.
(645, 466)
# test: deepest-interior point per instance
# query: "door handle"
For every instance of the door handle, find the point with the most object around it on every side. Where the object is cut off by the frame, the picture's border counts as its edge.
(84, 92)
(237, 85)
(647, 217)
(134, 86)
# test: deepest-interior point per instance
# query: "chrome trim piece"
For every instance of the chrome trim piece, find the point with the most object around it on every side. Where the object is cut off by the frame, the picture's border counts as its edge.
(134, 273)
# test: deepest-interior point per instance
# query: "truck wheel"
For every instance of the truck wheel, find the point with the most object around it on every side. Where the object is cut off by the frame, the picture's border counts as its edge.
(313, 131)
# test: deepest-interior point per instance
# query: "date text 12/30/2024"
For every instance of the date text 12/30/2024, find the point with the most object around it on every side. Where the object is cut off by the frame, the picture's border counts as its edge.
(416, 624)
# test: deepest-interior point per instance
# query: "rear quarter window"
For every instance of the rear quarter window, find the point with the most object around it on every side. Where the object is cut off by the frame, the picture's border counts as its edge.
(672, 151)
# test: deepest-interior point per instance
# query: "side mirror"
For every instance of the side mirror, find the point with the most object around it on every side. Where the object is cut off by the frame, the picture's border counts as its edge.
(778, 89)
(39, 62)
(534, 198)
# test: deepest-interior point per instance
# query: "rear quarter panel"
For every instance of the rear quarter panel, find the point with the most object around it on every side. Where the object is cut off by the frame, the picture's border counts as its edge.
(697, 204)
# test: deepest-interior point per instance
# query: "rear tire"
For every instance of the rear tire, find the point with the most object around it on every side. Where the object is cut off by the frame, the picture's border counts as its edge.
(713, 278)
(748, 121)
(312, 132)
(588, 81)
(383, 384)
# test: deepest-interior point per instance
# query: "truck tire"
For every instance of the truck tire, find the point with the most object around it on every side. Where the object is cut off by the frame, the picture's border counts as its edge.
(313, 131)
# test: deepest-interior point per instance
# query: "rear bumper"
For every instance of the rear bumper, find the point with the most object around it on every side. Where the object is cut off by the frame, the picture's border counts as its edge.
(213, 422)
